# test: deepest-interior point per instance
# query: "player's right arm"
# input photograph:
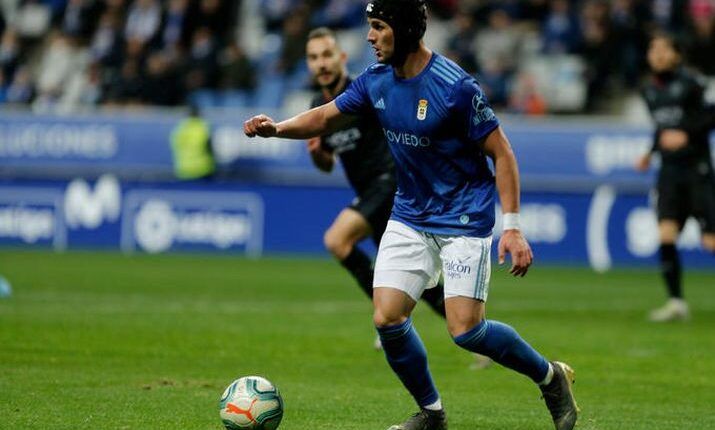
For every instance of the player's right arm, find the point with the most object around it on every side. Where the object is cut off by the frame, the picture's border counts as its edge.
(643, 162)
(506, 173)
(318, 121)
(482, 128)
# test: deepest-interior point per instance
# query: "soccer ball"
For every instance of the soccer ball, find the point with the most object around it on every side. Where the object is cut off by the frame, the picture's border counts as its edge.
(251, 403)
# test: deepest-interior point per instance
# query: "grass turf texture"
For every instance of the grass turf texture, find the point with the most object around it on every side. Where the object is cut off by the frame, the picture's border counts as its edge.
(107, 341)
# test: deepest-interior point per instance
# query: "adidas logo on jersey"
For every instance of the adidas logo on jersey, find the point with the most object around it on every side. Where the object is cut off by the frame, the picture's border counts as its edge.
(380, 104)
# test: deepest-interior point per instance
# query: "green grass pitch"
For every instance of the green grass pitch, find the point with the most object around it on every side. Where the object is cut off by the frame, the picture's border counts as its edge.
(107, 341)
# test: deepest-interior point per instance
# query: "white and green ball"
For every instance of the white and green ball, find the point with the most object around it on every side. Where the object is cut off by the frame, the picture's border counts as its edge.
(5, 288)
(251, 403)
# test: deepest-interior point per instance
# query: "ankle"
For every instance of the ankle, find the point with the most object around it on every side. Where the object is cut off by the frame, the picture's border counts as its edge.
(434, 407)
(549, 376)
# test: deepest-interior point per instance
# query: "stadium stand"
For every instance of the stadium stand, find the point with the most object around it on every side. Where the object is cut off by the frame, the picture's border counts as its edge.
(531, 56)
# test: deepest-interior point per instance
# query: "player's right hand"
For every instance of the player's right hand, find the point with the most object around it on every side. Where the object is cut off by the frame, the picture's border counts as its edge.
(513, 242)
(673, 139)
(260, 125)
(643, 163)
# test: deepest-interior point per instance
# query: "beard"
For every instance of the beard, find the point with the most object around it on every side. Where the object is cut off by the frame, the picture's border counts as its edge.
(330, 86)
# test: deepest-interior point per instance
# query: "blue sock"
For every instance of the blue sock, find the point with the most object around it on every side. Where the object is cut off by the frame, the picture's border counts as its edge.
(408, 358)
(503, 344)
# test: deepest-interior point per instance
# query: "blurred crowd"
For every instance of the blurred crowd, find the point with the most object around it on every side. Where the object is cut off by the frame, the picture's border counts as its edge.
(525, 51)
(531, 56)
(127, 52)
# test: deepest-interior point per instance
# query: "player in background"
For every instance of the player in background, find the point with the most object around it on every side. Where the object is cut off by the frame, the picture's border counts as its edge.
(367, 163)
(440, 130)
(686, 184)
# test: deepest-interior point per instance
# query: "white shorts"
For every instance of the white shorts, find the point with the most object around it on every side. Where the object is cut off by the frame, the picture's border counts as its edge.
(412, 261)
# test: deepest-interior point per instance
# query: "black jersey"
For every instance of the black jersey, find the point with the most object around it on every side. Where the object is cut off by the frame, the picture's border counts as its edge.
(362, 149)
(676, 101)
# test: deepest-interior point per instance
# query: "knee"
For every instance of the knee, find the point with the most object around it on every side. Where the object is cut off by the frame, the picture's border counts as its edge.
(382, 318)
(709, 245)
(457, 326)
(336, 244)
(709, 242)
(668, 232)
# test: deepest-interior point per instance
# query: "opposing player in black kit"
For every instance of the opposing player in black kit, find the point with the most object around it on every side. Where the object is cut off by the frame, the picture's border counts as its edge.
(686, 184)
(367, 163)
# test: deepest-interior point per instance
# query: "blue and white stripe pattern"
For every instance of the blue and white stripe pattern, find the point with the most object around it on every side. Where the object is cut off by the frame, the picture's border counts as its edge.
(481, 288)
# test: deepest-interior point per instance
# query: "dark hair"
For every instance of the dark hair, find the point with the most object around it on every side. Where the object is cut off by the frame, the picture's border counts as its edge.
(319, 32)
(670, 38)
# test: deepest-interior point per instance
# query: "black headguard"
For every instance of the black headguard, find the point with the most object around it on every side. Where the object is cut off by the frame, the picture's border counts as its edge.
(408, 19)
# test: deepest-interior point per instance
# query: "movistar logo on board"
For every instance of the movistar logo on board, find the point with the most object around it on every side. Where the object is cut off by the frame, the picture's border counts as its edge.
(404, 138)
(380, 104)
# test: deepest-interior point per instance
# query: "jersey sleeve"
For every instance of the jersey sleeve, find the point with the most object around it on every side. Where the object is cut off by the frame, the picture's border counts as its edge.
(700, 116)
(355, 99)
(472, 105)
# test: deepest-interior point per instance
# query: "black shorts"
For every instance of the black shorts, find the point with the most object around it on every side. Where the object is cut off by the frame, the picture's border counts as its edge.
(375, 204)
(685, 194)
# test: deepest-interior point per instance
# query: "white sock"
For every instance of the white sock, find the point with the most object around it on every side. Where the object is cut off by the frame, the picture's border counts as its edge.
(436, 406)
(549, 376)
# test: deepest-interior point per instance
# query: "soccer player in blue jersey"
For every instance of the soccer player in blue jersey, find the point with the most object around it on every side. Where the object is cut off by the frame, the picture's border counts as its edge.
(440, 130)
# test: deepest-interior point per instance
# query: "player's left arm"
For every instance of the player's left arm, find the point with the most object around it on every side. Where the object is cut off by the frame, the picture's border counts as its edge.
(699, 120)
(704, 113)
(497, 147)
(322, 159)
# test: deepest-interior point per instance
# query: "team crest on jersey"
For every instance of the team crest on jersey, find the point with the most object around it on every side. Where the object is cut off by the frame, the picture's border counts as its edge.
(422, 109)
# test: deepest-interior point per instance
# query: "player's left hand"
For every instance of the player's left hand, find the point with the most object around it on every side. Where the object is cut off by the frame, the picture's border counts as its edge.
(514, 243)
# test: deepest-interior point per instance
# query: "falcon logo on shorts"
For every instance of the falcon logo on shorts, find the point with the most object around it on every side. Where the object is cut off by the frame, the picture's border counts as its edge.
(422, 110)
(455, 269)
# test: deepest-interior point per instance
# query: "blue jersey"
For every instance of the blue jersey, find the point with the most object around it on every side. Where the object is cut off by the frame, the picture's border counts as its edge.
(432, 123)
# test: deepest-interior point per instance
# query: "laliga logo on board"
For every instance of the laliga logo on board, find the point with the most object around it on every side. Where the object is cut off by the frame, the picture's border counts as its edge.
(27, 224)
(159, 226)
(642, 233)
(641, 230)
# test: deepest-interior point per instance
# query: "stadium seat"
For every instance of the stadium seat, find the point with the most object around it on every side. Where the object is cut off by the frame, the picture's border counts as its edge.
(559, 79)
(234, 99)
(269, 93)
(203, 98)
(299, 79)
